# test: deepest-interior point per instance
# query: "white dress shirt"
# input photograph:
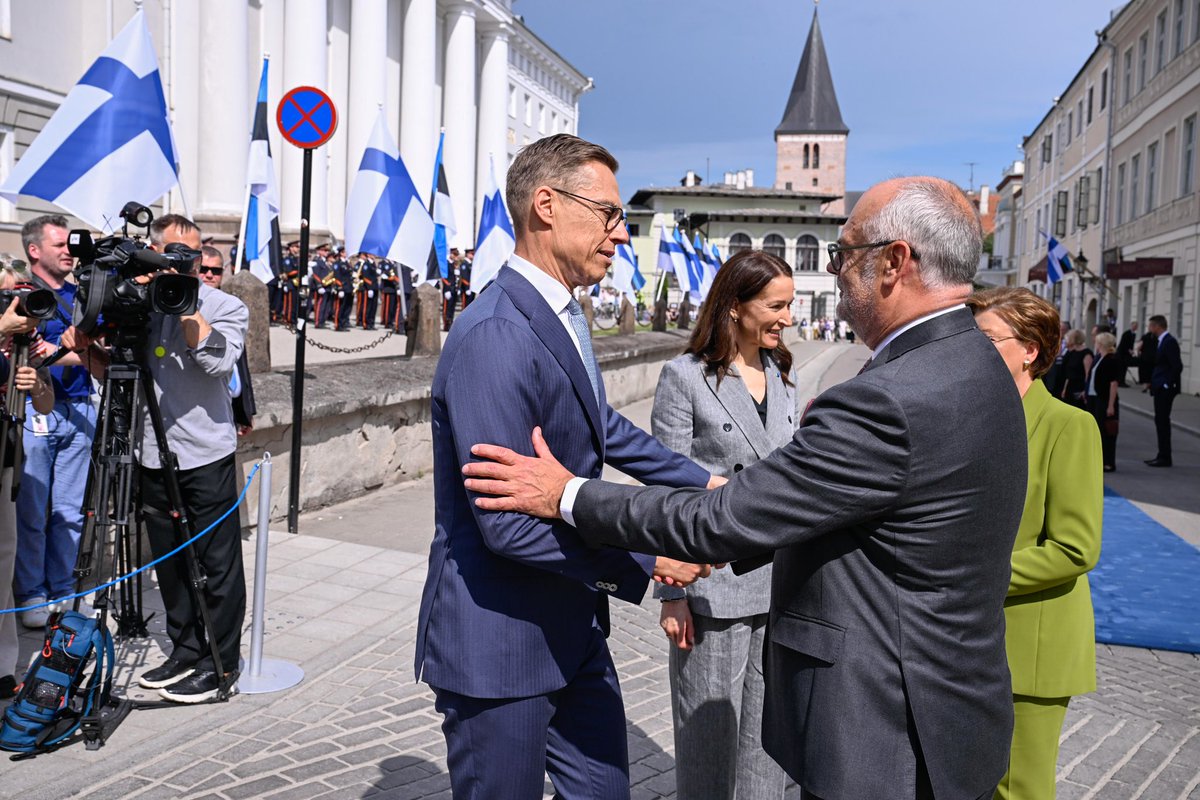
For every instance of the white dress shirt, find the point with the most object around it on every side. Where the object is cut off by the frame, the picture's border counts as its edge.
(557, 296)
(891, 337)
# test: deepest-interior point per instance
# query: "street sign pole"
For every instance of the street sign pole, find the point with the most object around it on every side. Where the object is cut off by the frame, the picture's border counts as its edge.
(299, 318)
(307, 119)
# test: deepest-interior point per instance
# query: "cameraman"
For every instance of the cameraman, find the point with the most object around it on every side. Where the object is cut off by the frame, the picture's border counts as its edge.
(41, 394)
(191, 359)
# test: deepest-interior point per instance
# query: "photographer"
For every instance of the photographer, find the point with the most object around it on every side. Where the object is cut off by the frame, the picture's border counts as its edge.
(41, 395)
(191, 358)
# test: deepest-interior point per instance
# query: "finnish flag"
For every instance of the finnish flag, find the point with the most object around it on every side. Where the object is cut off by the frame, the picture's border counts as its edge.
(385, 215)
(672, 258)
(694, 269)
(1058, 260)
(496, 240)
(262, 209)
(708, 266)
(109, 142)
(627, 280)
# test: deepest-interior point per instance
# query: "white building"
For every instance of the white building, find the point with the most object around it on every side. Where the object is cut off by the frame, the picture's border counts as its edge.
(470, 66)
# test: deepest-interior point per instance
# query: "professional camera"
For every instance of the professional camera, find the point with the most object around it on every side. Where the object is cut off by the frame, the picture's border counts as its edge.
(31, 301)
(110, 296)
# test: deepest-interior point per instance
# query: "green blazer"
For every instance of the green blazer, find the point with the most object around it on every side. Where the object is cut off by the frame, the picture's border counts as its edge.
(1051, 631)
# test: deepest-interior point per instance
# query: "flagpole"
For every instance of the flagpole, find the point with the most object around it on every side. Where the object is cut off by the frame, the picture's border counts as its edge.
(241, 241)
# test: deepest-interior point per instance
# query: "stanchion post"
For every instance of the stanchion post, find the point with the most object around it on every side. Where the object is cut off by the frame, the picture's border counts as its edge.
(264, 675)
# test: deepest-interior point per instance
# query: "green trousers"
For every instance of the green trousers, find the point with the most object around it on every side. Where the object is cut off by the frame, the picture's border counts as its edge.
(1032, 765)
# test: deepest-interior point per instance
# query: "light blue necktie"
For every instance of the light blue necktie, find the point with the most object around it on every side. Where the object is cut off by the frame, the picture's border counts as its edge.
(583, 333)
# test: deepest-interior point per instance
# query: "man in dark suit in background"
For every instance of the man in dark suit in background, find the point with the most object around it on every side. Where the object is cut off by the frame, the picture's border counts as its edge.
(1125, 349)
(1145, 360)
(1166, 380)
(891, 515)
(513, 618)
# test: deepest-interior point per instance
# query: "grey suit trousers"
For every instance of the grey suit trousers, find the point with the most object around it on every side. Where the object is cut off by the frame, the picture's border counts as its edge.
(717, 698)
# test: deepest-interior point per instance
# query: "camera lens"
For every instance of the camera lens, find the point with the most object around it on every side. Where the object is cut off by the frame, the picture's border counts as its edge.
(39, 304)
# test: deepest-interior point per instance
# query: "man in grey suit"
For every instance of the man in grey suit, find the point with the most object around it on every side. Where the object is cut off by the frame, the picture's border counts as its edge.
(891, 516)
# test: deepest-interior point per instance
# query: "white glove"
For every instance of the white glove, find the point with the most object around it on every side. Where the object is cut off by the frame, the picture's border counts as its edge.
(321, 290)
(446, 295)
(341, 294)
(370, 293)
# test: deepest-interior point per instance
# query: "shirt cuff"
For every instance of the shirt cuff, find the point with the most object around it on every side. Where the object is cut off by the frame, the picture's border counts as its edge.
(566, 504)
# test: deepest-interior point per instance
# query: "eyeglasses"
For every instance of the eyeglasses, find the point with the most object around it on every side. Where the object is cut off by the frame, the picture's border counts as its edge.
(837, 258)
(614, 215)
(998, 339)
(211, 270)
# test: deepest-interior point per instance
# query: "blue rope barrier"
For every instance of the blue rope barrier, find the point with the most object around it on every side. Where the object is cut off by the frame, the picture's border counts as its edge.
(139, 570)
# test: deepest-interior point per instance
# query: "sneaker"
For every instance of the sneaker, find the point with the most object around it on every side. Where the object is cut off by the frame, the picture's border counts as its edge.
(65, 604)
(35, 617)
(169, 672)
(198, 687)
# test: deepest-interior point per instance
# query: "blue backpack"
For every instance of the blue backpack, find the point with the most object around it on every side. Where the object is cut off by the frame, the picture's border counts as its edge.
(53, 701)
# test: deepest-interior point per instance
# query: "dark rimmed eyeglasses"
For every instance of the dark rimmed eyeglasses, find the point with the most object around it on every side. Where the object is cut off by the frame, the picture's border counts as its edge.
(837, 257)
(614, 215)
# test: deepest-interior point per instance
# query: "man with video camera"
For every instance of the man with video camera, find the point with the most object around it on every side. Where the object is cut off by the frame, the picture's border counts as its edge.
(190, 358)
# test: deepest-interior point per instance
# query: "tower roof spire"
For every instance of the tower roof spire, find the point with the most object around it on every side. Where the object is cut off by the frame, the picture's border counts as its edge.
(812, 106)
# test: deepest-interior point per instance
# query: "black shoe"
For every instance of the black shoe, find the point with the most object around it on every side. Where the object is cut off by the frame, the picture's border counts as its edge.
(199, 687)
(170, 671)
(1159, 462)
(8, 687)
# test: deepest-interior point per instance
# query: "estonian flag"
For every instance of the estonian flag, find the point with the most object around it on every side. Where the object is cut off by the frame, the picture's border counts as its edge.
(261, 241)
(443, 218)
(109, 142)
(385, 215)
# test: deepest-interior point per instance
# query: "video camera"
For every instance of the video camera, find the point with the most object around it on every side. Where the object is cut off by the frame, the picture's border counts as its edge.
(108, 272)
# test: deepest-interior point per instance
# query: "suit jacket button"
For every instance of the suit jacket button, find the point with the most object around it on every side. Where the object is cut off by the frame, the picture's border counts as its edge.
(738, 467)
(728, 427)
(789, 420)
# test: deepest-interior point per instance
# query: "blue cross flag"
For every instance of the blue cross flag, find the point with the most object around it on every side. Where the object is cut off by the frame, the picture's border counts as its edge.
(626, 278)
(671, 257)
(1058, 260)
(109, 142)
(385, 215)
(496, 240)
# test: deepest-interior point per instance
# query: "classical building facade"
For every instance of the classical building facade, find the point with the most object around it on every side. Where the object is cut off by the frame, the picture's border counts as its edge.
(469, 66)
(795, 219)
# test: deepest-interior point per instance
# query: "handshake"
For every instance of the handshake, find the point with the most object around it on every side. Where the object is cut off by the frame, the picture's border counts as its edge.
(680, 573)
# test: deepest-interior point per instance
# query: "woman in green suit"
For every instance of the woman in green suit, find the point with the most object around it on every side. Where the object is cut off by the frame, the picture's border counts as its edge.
(1050, 627)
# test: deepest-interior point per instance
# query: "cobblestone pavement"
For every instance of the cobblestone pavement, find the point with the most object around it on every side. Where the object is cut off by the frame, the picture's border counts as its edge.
(359, 726)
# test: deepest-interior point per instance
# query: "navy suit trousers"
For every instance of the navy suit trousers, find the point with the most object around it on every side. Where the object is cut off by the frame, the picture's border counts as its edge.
(502, 748)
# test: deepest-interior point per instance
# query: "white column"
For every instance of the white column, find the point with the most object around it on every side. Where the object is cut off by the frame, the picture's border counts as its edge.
(224, 108)
(273, 45)
(305, 63)
(493, 104)
(183, 95)
(458, 115)
(368, 77)
(391, 104)
(339, 90)
(417, 113)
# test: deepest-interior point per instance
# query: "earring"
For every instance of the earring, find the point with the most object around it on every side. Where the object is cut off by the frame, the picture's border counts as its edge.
(735, 319)
(1025, 365)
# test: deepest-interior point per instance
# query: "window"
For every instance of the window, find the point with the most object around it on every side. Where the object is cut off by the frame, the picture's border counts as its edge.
(1061, 201)
(6, 21)
(1070, 125)
(1143, 60)
(1196, 22)
(512, 102)
(807, 253)
(1127, 76)
(1177, 286)
(1151, 175)
(1178, 29)
(1187, 157)
(1135, 176)
(1160, 42)
(1103, 89)
(738, 243)
(816, 156)
(1047, 147)
(528, 110)
(805, 156)
(8, 211)
(773, 245)
(1120, 193)
(541, 118)
(634, 229)
(1039, 222)
(1094, 196)
(1089, 104)
(1083, 195)
(1079, 118)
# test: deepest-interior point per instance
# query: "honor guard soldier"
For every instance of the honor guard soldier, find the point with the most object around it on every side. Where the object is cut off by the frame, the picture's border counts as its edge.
(367, 292)
(320, 276)
(289, 281)
(449, 286)
(464, 278)
(343, 275)
(389, 284)
(275, 285)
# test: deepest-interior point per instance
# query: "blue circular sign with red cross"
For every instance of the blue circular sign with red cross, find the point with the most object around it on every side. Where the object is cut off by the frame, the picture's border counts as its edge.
(306, 117)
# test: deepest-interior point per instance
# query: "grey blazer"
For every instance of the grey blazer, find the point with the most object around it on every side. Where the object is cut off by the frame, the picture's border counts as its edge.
(718, 427)
(892, 515)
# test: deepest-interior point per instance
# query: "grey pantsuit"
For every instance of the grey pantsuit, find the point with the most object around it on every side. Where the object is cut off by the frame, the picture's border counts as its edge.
(717, 687)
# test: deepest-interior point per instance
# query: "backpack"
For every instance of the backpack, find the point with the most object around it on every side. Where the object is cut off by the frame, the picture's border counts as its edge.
(53, 702)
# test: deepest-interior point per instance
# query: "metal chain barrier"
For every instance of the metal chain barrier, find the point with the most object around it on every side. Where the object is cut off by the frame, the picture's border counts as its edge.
(362, 348)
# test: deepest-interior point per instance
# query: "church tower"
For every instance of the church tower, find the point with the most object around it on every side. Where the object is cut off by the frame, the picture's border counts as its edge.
(810, 142)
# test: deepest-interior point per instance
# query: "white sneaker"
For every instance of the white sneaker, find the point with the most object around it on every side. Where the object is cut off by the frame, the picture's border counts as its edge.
(36, 617)
(65, 604)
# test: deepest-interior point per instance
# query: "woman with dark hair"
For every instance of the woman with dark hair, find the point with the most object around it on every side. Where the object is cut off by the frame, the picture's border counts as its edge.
(1102, 385)
(728, 401)
(1050, 628)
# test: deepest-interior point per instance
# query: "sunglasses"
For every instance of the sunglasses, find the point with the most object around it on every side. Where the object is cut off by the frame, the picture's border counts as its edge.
(212, 270)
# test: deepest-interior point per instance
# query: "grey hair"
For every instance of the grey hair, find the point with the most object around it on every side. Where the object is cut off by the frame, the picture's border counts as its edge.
(32, 231)
(939, 223)
(554, 160)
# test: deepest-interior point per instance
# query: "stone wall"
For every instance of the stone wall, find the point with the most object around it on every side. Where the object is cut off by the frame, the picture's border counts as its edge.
(367, 422)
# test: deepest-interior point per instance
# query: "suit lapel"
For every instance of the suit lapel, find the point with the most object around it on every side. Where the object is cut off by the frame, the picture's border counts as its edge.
(735, 399)
(549, 329)
(780, 405)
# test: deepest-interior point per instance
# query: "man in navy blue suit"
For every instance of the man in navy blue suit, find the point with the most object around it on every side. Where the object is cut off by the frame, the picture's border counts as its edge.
(514, 614)
(1165, 383)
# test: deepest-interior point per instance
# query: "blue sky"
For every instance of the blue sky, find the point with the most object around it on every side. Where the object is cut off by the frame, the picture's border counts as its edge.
(924, 86)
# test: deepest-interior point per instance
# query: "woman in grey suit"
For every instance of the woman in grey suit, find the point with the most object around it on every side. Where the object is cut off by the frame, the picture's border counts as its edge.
(728, 401)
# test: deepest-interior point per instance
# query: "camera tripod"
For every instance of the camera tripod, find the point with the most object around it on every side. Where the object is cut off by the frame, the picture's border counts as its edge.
(14, 411)
(111, 515)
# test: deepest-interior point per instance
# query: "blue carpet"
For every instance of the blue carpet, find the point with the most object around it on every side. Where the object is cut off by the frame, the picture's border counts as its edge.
(1146, 588)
